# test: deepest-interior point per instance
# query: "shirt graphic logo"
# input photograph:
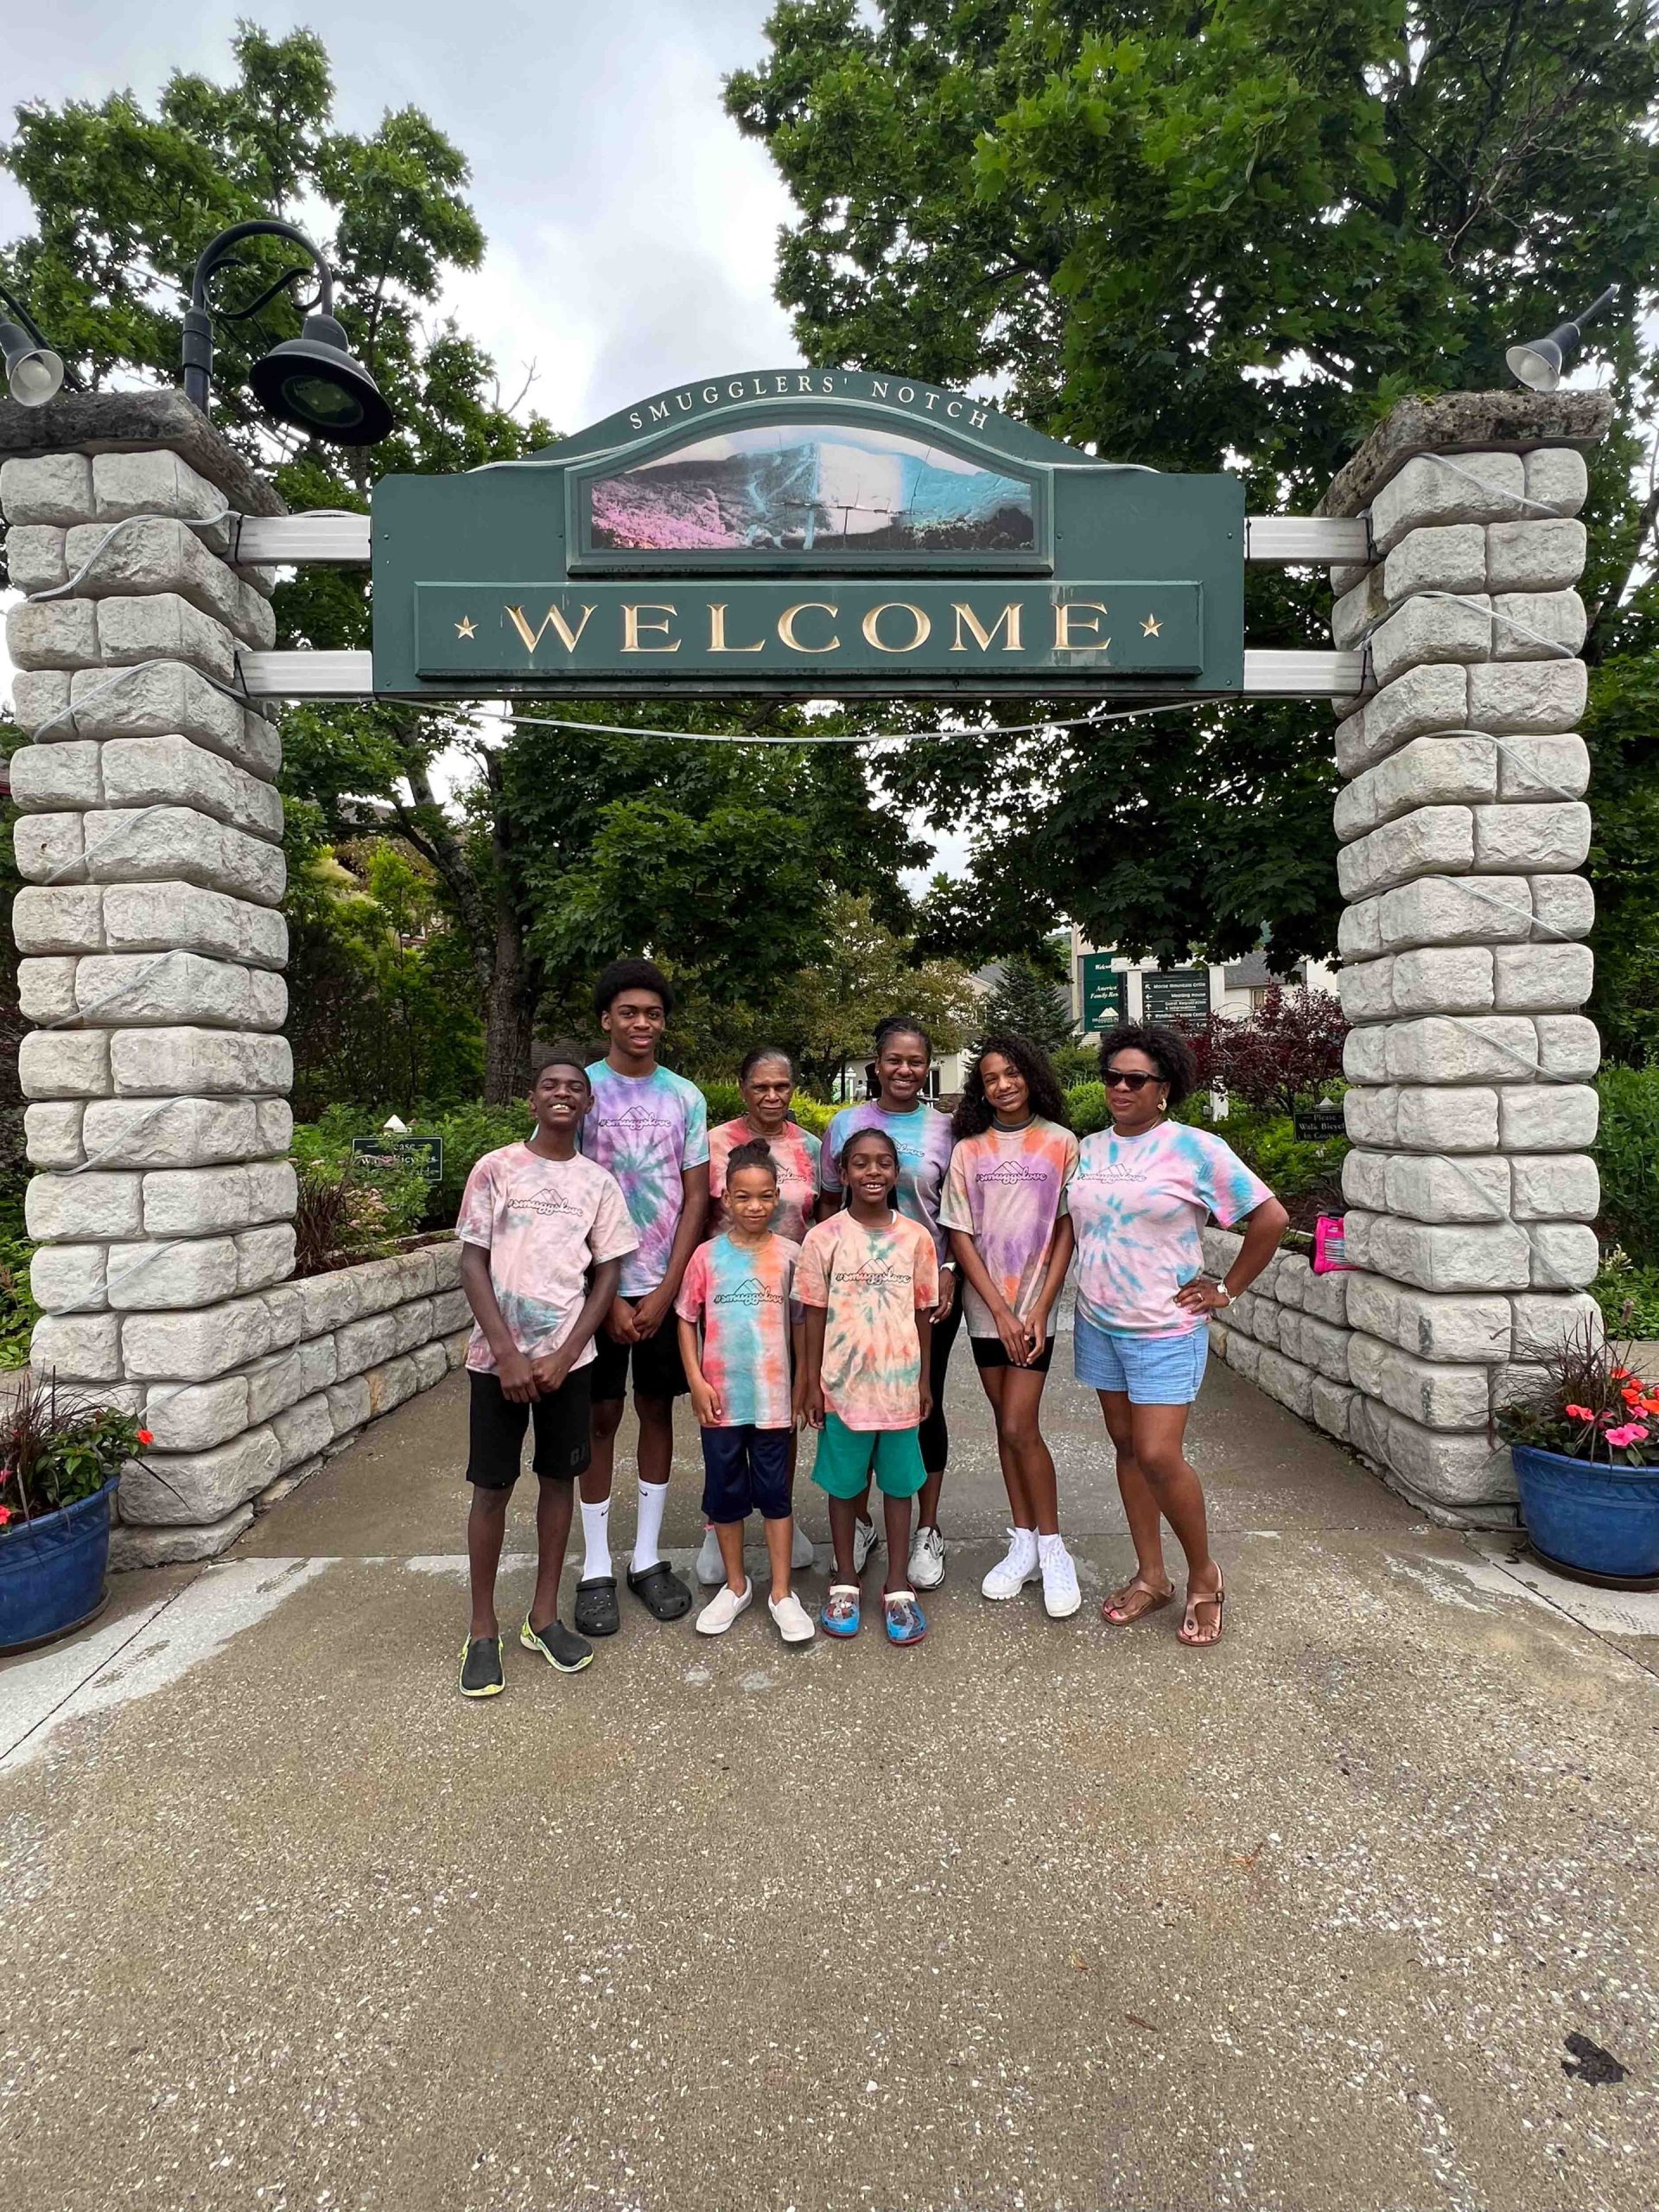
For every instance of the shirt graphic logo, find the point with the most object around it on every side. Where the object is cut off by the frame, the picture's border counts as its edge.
(750, 1292)
(1014, 1171)
(873, 1276)
(638, 1120)
(1116, 1171)
(545, 1202)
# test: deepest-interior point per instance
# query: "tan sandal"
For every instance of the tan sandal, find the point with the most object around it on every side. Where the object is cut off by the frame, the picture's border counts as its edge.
(1187, 1633)
(1116, 1614)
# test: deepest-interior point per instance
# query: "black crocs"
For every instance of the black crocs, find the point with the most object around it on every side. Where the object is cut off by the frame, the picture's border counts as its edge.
(596, 1610)
(661, 1591)
(562, 1651)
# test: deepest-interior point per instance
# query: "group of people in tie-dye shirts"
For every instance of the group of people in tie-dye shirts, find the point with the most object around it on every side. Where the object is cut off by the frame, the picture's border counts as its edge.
(789, 1285)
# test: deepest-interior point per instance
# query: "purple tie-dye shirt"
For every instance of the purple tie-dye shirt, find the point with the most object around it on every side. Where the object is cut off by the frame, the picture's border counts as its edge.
(1007, 1189)
(923, 1139)
(646, 1129)
(543, 1224)
(1138, 1205)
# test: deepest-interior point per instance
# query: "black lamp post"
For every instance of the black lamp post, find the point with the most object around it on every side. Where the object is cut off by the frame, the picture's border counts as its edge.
(311, 381)
(1539, 363)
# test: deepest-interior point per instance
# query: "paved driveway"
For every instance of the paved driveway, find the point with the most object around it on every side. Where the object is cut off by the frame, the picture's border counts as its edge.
(1041, 1915)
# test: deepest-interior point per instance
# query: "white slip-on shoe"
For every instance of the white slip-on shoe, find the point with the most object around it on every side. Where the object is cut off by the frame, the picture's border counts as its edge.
(927, 1560)
(793, 1622)
(800, 1550)
(723, 1608)
(864, 1540)
(1061, 1596)
(1010, 1574)
(711, 1568)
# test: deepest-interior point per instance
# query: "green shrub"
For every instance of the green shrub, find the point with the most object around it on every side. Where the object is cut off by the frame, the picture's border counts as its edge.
(1086, 1102)
(1627, 1155)
(1628, 1296)
(1076, 1064)
(723, 1100)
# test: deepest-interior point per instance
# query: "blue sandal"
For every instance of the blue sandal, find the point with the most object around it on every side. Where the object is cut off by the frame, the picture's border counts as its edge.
(840, 1614)
(907, 1623)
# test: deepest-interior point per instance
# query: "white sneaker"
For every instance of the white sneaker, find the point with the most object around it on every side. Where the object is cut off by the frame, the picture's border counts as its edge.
(927, 1560)
(1061, 1596)
(723, 1608)
(794, 1623)
(864, 1540)
(801, 1551)
(1010, 1575)
(711, 1568)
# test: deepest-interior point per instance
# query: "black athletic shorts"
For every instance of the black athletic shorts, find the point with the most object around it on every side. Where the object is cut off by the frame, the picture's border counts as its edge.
(497, 1423)
(989, 1351)
(659, 1371)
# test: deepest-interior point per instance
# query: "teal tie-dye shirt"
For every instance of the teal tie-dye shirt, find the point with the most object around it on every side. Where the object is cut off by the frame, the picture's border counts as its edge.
(1137, 1205)
(646, 1129)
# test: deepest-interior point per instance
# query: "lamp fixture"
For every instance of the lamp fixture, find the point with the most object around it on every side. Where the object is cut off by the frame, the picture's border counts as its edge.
(34, 372)
(311, 381)
(1539, 363)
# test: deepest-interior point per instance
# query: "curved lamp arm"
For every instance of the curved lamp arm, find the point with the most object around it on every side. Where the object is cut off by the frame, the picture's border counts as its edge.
(198, 349)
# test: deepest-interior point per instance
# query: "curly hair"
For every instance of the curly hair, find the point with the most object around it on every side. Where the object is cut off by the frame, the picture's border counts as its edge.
(974, 1114)
(632, 975)
(757, 1153)
(1166, 1049)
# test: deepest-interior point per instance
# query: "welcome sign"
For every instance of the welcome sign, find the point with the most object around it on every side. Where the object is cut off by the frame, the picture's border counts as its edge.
(809, 532)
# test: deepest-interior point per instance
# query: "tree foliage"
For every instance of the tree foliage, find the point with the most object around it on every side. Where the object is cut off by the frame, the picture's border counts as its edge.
(1194, 236)
(1031, 1005)
(1277, 1058)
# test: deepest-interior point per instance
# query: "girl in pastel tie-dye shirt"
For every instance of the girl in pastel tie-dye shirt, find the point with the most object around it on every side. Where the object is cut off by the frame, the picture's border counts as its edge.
(1005, 1207)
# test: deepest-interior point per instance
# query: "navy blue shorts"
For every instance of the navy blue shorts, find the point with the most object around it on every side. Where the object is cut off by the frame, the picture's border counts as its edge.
(746, 1471)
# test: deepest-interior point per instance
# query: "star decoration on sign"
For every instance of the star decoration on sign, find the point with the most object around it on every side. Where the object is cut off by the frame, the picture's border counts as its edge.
(466, 626)
(1151, 626)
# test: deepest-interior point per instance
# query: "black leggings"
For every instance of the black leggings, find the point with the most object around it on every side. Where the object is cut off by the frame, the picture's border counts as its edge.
(933, 1436)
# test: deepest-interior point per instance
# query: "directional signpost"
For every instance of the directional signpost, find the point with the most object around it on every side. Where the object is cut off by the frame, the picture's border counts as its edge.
(1178, 996)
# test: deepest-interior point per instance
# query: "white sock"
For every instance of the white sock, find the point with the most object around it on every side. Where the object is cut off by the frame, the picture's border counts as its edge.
(653, 1497)
(1051, 1547)
(596, 1536)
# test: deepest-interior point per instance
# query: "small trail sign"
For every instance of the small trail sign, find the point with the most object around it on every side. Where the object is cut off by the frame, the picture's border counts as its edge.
(423, 1154)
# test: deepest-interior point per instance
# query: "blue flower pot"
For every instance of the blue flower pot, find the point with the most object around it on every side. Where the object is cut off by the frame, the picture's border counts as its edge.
(1590, 1519)
(52, 1570)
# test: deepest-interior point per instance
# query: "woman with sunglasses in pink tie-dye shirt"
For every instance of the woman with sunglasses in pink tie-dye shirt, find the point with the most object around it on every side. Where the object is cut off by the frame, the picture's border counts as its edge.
(1141, 1193)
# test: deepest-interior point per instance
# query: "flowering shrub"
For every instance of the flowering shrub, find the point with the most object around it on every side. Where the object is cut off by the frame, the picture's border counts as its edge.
(55, 1449)
(1595, 1407)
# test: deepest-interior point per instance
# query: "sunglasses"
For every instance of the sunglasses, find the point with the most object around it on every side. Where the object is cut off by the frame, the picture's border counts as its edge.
(1128, 1079)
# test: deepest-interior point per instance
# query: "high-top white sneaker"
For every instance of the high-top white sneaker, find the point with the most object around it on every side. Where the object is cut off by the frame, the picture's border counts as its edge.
(1010, 1574)
(1061, 1596)
(927, 1560)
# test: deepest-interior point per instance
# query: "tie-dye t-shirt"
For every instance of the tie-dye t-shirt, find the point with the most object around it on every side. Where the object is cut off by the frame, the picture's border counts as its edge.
(922, 1137)
(1007, 1190)
(645, 1129)
(795, 1153)
(870, 1283)
(740, 1293)
(1138, 1205)
(543, 1224)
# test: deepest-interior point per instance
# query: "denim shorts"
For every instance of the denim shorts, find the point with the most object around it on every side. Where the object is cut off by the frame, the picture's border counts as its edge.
(1154, 1370)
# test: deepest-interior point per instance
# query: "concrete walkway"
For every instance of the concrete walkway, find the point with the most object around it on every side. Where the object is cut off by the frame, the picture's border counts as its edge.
(1360, 1910)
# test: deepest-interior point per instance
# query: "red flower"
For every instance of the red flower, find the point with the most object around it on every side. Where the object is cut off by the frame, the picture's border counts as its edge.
(145, 1436)
(5, 1515)
(1578, 1413)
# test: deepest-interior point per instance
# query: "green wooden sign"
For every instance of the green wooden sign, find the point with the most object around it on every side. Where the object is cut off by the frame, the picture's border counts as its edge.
(822, 532)
(1105, 992)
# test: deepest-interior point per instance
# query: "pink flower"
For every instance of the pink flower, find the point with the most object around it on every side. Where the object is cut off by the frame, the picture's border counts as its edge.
(1578, 1413)
(1631, 1433)
(5, 1515)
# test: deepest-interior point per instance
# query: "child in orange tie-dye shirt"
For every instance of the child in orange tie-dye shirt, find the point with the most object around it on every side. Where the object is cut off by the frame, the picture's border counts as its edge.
(868, 1279)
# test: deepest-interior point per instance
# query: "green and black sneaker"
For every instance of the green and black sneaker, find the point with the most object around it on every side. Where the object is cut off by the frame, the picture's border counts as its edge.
(568, 1653)
(480, 1667)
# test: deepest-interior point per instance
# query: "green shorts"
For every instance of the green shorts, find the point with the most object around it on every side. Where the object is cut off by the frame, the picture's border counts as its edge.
(846, 1457)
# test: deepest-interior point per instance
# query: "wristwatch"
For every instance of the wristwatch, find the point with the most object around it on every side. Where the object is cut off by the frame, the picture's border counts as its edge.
(1223, 1296)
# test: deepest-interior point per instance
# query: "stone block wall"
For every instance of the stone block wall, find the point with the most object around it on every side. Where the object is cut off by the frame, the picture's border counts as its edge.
(248, 1397)
(1471, 1192)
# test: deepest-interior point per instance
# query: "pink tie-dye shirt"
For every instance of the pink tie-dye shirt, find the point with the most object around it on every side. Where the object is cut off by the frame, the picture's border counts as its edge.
(1007, 1189)
(1138, 1205)
(740, 1293)
(871, 1282)
(544, 1223)
(795, 1154)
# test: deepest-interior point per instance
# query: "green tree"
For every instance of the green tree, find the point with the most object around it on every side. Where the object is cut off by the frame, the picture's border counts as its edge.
(1228, 234)
(1031, 1005)
(824, 1013)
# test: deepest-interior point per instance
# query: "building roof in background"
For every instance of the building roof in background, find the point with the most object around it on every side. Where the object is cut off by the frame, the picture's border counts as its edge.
(1252, 974)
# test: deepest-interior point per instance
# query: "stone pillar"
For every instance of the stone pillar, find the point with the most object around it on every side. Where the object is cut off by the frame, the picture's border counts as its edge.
(1470, 1190)
(154, 945)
